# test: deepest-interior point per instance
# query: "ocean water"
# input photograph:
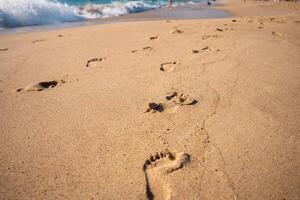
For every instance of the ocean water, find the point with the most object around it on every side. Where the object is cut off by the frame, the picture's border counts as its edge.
(17, 13)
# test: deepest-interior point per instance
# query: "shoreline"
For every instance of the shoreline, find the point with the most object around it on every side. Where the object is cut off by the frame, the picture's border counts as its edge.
(220, 9)
(186, 12)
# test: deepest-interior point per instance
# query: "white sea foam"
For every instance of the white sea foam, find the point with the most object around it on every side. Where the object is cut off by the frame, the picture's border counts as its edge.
(14, 13)
(92, 11)
(35, 12)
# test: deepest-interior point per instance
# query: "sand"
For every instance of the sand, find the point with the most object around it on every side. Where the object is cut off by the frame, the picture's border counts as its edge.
(177, 109)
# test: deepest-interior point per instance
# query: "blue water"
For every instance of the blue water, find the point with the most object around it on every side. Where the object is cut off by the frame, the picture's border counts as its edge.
(16, 13)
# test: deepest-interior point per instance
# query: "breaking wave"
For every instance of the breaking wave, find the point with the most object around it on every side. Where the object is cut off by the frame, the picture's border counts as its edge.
(15, 13)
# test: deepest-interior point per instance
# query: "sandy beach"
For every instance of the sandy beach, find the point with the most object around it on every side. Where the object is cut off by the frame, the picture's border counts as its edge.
(164, 109)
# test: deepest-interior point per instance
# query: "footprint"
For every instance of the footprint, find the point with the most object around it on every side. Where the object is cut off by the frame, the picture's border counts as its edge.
(168, 66)
(157, 168)
(175, 99)
(180, 98)
(203, 49)
(41, 86)
(206, 48)
(279, 21)
(144, 48)
(94, 61)
(272, 19)
(161, 107)
(276, 33)
(204, 37)
(147, 48)
(35, 41)
(177, 31)
(154, 38)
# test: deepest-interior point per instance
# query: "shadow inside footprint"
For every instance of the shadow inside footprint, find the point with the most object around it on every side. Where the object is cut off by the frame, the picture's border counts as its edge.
(49, 84)
(93, 61)
(153, 38)
(154, 107)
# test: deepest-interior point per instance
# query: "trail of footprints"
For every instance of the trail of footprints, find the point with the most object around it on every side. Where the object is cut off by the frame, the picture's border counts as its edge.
(157, 167)
(161, 164)
(45, 85)
(165, 67)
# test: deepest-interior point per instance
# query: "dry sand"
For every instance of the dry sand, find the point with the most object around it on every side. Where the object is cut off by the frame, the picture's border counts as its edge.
(223, 119)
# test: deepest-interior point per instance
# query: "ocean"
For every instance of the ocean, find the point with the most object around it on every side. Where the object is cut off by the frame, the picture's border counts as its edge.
(18, 13)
